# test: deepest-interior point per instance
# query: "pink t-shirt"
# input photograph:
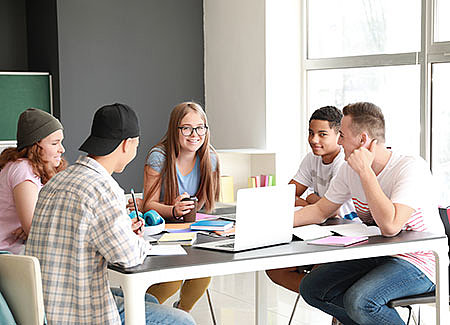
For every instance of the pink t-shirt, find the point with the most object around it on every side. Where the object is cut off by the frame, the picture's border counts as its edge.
(12, 175)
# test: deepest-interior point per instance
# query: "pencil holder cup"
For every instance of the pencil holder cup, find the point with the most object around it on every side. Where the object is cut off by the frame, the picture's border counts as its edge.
(190, 217)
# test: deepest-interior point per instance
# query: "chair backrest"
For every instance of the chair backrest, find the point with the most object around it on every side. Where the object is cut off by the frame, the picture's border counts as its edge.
(445, 217)
(21, 286)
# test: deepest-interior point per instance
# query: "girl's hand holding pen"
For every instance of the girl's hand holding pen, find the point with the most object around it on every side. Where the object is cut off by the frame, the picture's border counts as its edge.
(139, 203)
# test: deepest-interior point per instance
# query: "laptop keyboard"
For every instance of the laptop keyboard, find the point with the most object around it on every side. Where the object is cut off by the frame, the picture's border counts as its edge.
(230, 245)
(230, 217)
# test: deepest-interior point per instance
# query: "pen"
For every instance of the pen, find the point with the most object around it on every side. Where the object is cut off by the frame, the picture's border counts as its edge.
(135, 205)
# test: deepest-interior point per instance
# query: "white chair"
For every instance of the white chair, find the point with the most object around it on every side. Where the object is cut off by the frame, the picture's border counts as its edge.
(21, 286)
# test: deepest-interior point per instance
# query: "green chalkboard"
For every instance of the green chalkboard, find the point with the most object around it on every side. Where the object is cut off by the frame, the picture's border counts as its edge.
(19, 91)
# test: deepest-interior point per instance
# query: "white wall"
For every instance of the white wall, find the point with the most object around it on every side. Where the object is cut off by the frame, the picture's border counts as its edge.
(253, 78)
(283, 86)
(235, 72)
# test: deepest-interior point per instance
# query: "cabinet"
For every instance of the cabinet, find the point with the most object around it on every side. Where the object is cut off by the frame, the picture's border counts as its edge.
(243, 163)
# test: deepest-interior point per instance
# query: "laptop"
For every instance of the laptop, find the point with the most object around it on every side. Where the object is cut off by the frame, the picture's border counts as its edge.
(226, 212)
(264, 217)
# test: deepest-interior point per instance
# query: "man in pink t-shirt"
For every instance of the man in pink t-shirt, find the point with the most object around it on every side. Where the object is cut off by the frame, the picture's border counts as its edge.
(384, 187)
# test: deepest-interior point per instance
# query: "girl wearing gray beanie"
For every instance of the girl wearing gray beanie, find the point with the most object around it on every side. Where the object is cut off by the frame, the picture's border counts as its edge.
(23, 172)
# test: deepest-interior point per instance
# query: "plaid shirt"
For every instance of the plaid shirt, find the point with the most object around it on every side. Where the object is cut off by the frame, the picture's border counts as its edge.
(79, 226)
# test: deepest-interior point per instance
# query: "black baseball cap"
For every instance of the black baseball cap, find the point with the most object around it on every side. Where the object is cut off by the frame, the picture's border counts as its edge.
(112, 124)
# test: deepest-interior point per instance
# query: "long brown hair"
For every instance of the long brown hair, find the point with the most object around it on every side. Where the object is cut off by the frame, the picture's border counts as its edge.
(33, 153)
(209, 187)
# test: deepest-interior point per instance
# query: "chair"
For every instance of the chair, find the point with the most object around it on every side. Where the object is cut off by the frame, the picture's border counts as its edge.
(211, 309)
(21, 285)
(425, 298)
(307, 269)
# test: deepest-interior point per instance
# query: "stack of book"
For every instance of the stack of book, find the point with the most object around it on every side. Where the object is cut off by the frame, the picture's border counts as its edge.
(261, 181)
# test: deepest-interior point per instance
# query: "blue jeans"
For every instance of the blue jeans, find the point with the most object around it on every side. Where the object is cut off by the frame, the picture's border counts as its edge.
(356, 292)
(154, 312)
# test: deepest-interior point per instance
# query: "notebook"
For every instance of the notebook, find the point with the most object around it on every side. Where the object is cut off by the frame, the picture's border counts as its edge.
(264, 217)
(182, 238)
(338, 240)
(212, 225)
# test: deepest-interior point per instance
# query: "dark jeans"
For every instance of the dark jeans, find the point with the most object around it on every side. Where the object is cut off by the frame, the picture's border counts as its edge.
(356, 292)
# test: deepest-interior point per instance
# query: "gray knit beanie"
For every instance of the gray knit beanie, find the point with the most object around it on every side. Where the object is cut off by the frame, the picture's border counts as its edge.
(33, 126)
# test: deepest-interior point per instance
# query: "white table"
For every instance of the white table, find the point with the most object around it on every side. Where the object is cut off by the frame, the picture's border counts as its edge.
(201, 263)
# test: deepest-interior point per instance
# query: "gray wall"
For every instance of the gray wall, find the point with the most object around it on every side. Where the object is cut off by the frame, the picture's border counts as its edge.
(147, 54)
(13, 36)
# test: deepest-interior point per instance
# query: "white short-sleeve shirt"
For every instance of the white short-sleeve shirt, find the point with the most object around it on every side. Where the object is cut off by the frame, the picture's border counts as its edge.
(406, 180)
(316, 175)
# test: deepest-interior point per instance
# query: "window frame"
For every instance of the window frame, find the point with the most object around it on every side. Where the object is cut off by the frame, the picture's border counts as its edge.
(430, 52)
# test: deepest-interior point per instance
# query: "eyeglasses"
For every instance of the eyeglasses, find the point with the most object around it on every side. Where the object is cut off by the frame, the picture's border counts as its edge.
(188, 130)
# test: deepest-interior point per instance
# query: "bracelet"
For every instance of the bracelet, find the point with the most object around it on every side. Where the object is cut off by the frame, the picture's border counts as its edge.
(173, 214)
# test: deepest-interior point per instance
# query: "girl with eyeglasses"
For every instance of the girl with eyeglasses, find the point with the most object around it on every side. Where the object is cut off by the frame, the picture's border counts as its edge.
(24, 170)
(181, 165)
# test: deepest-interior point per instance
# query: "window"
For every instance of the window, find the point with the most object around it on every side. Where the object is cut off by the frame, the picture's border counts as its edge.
(442, 25)
(386, 52)
(441, 130)
(361, 27)
(396, 88)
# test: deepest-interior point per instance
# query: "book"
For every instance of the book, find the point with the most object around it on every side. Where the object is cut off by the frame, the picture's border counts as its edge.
(226, 233)
(272, 180)
(263, 180)
(257, 181)
(203, 216)
(226, 189)
(212, 225)
(338, 240)
(182, 238)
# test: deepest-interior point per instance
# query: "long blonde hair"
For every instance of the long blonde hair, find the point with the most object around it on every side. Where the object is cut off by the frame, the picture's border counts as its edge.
(209, 187)
(33, 153)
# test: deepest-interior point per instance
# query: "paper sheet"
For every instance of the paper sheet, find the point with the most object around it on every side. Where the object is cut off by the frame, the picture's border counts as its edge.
(311, 232)
(150, 239)
(354, 229)
(165, 250)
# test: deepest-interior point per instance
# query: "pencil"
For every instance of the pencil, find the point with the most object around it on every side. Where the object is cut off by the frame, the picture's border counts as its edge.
(135, 204)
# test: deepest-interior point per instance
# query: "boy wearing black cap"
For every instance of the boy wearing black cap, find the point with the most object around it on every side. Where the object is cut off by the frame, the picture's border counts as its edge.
(80, 225)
